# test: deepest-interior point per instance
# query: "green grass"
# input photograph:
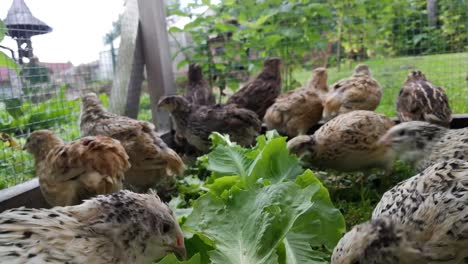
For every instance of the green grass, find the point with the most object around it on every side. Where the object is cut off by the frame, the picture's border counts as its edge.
(445, 70)
(356, 194)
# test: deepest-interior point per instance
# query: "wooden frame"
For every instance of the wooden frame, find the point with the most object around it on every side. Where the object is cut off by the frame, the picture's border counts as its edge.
(144, 44)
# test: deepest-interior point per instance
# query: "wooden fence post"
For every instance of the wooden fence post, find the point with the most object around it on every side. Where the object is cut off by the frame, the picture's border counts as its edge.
(157, 57)
(144, 42)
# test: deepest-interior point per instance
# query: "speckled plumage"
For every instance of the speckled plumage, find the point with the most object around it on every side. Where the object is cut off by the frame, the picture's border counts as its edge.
(358, 92)
(296, 111)
(198, 91)
(153, 163)
(423, 219)
(348, 142)
(196, 123)
(81, 169)
(420, 100)
(260, 93)
(423, 144)
(119, 228)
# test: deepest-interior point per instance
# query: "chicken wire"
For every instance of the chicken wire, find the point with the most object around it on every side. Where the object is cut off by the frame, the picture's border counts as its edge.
(392, 37)
(232, 46)
(42, 95)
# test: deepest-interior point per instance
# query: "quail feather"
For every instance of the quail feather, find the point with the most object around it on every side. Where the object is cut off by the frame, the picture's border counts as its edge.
(260, 93)
(360, 91)
(421, 100)
(423, 219)
(118, 228)
(348, 142)
(296, 111)
(198, 91)
(81, 169)
(196, 123)
(422, 144)
(153, 163)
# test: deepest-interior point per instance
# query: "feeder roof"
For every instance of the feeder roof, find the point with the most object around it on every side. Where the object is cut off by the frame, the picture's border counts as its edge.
(21, 22)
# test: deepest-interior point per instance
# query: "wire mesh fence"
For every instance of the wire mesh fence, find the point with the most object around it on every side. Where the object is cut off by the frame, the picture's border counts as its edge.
(37, 94)
(46, 97)
(230, 39)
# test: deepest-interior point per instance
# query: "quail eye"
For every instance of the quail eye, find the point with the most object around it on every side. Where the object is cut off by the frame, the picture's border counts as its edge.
(166, 227)
(402, 133)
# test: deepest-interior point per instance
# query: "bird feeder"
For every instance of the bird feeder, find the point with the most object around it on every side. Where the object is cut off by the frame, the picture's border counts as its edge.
(22, 25)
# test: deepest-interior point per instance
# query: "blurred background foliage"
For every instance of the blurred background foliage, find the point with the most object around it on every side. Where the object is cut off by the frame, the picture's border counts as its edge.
(315, 33)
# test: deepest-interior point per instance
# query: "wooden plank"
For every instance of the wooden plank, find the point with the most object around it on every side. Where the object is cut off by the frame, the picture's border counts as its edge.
(26, 194)
(459, 121)
(129, 69)
(157, 58)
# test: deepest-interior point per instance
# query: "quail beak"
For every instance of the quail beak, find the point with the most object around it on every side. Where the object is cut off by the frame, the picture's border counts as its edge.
(179, 247)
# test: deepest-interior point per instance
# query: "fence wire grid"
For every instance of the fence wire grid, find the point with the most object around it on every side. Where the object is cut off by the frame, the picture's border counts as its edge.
(230, 39)
(36, 94)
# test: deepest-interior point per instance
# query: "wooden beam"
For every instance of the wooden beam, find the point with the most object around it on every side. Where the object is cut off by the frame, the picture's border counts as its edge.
(26, 194)
(157, 58)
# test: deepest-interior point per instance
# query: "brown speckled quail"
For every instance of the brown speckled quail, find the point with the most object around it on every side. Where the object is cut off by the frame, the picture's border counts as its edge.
(421, 220)
(422, 144)
(260, 93)
(118, 228)
(196, 123)
(348, 142)
(198, 91)
(420, 100)
(70, 173)
(357, 92)
(153, 163)
(295, 112)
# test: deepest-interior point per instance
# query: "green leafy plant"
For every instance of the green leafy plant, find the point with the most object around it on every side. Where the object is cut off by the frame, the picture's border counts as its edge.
(230, 39)
(230, 50)
(55, 111)
(259, 206)
(172, 259)
(4, 59)
(16, 165)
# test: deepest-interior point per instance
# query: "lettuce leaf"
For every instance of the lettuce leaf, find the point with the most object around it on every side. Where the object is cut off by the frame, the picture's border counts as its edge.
(247, 227)
(262, 206)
